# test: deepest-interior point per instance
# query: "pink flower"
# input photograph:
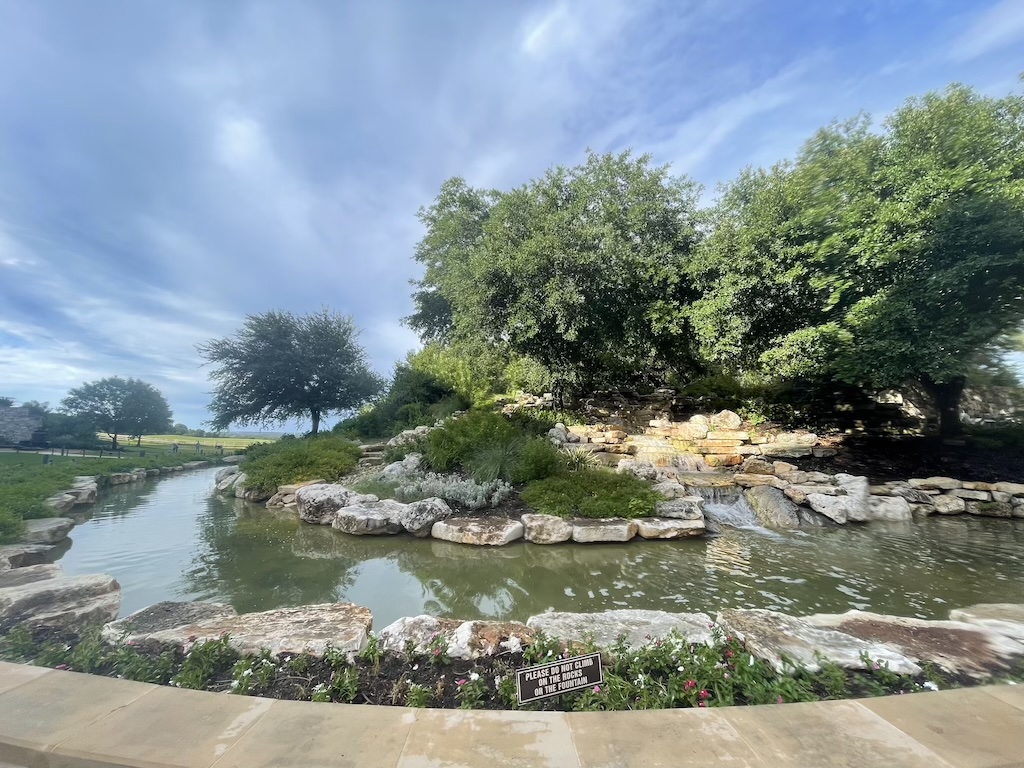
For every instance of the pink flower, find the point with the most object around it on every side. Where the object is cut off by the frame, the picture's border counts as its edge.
(702, 704)
(62, 666)
(597, 689)
(704, 694)
(437, 651)
(691, 684)
(728, 654)
(460, 683)
(779, 700)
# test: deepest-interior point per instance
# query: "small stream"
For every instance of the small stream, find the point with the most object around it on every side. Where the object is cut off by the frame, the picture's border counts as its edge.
(172, 539)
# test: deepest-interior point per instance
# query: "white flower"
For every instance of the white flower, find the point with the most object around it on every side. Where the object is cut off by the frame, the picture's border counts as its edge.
(474, 676)
(930, 686)
(415, 667)
(679, 669)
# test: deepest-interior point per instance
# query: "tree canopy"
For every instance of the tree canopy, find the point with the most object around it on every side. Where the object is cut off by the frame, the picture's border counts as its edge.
(874, 258)
(579, 271)
(118, 406)
(280, 366)
(878, 257)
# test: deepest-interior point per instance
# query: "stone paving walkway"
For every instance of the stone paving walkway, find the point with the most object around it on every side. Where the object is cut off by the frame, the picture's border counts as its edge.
(51, 718)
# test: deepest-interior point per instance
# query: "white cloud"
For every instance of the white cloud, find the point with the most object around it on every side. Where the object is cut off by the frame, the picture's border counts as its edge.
(997, 28)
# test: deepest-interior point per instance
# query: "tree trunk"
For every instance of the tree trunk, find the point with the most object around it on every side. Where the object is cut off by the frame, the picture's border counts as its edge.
(113, 441)
(946, 396)
(316, 420)
(138, 442)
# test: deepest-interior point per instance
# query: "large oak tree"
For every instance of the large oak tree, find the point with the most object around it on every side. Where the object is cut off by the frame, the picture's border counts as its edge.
(118, 407)
(280, 366)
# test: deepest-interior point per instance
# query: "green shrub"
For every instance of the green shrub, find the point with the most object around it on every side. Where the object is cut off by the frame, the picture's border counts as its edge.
(291, 461)
(537, 459)
(11, 524)
(593, 493)
(491, 446)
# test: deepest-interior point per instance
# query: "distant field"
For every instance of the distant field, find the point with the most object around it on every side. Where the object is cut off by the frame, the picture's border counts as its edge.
(155, 441)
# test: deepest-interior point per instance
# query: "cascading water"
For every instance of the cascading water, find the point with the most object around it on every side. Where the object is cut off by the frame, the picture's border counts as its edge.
(725, 505)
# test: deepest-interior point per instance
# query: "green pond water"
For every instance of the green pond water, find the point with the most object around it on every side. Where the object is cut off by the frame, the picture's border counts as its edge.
(172, 539)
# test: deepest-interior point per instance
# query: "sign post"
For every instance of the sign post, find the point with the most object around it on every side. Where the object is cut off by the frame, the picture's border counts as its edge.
(562, 676)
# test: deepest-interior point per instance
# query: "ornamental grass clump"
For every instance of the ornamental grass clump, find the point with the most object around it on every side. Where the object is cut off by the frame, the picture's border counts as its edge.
(592, 493)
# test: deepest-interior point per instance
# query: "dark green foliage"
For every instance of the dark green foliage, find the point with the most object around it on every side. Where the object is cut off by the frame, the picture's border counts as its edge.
(291, 461)
(593, 493)
(117, 407)
(414, 398)
(280, 366)
(491, 446)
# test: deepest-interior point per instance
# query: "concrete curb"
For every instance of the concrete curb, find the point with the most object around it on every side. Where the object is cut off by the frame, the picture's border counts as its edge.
(71, 720)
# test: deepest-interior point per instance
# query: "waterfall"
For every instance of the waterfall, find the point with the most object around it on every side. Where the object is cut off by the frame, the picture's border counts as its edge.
(725, 505)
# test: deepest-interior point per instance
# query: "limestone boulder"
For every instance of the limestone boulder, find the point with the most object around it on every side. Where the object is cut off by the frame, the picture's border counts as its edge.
(668, 528)
(84, 493)
(364, 520)
(1014, 489)
(670, 489)
(744, 480)
(236, 458)
(418, 517)
(948, 505)
(16, 577)
(989, 508)
(162, 617)
(475, 639)
(773, 636)
(479, 531)
(23, 555)
(681, 508)
(120, 478)
(754, 465)
(935, 483)
(224, 473)
(835, 508)
(893, 509)
(415, 633)
(318, 503)
(726, 420)
(399, 470)
(47, 530)
(546, 529)
(956, 646)
(227, 483)
(61, 502)
(858, 496)
(772, 508)
(71, 601)
(609, 529)
(1004, 618)
(638, 627)
(306, 629)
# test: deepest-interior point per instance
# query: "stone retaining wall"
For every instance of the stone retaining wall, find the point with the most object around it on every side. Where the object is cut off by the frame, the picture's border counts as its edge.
(18, 424)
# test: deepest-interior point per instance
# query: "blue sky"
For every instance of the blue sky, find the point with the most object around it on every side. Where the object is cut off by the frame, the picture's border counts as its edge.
(168, 167)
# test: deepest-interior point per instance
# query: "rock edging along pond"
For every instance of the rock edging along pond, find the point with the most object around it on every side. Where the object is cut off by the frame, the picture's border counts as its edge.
(652, 659)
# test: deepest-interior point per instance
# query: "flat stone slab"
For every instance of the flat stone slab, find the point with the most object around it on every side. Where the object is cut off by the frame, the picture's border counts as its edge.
(546, 529)
(771, 507)
(770, 636)
(47, 530)
(235, 458)
(22, 555)
(1005, 618)
(681, 508)
(668, 528)
(638, 627)
(306, 629)
(61, 601)
(16, 577)
(163, 616)
(611, 529)
(955, 646)
(480, 531)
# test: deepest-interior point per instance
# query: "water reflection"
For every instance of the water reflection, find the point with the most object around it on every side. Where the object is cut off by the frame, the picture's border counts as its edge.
(173, 540)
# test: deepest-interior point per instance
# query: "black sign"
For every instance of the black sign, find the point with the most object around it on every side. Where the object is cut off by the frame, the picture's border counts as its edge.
(563, 676)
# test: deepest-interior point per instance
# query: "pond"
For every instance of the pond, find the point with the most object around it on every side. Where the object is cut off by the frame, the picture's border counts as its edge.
(172, 539)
